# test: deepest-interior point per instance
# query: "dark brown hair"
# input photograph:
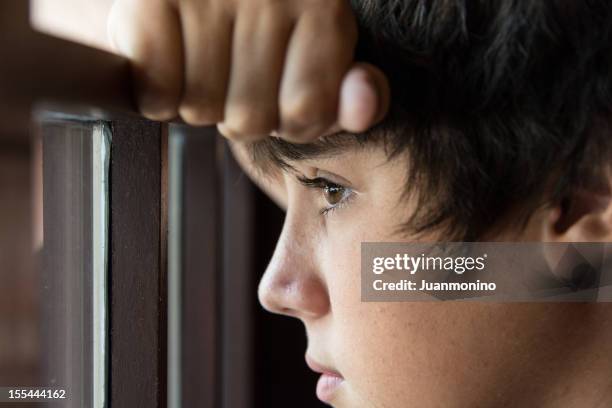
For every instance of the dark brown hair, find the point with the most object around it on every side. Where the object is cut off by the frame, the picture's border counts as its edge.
(501, 105)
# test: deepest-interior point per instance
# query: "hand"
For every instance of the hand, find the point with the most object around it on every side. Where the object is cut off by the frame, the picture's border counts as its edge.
(253, 67)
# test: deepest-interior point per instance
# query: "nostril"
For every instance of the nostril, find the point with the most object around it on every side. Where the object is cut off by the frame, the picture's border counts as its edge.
(288, 312)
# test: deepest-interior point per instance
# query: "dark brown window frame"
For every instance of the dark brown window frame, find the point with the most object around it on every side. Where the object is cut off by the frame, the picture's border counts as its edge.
(43, 73)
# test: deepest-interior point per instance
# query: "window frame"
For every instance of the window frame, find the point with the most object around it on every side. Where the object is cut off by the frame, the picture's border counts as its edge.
(215, 356)
(91, 85)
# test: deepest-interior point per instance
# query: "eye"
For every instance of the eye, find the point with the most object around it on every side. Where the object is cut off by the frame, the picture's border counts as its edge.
(337, 196)
(334, 193)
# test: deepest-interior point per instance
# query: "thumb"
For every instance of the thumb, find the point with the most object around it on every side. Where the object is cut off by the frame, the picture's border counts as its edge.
(364, 98)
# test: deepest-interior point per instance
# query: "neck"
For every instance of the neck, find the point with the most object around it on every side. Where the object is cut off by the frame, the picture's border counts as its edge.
(584, 378)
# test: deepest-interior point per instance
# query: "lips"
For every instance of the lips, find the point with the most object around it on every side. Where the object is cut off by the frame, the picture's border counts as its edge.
(328, 383)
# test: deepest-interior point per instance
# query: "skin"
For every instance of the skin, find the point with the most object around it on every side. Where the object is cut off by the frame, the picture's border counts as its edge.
(256, 67)
(421, 354)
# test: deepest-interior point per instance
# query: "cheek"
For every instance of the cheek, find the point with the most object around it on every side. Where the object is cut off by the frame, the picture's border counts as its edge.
(406, 353)
(399, 354)
(341, 257)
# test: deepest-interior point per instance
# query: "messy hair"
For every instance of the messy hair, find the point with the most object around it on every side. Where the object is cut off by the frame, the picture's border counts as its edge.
(502, 106)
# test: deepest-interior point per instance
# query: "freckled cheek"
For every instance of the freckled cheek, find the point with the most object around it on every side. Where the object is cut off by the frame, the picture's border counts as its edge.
(367, 339)
(388, 352)
(381, 348)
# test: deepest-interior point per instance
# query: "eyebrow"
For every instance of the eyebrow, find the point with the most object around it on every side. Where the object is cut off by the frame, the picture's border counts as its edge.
(280, 153)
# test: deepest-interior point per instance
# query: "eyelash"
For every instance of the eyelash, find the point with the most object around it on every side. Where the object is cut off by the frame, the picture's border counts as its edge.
(321, 183)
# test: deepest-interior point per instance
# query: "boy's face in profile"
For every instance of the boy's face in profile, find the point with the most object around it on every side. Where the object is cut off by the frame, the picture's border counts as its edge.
(407, 353)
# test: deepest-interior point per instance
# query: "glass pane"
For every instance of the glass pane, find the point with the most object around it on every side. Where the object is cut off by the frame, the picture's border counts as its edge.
(211, 286)
(75, 168)
(53, 241)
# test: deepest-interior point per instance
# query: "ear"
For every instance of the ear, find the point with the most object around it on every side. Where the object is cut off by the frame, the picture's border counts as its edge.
(586, 216)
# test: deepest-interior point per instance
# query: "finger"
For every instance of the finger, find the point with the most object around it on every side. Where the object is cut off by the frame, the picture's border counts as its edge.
(207, 33)
(364, 98)
(313, 72)
(156, 60)
(258, 55)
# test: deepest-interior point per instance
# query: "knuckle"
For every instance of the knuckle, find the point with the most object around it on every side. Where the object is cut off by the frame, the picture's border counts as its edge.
(158, 112)
(249, 121)
(235, 135)
(157, 100)
(198, 110)
(310, 109)
(200, 115)
(157, 105)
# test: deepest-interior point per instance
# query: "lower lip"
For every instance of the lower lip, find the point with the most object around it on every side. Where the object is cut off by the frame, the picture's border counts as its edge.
(327, 386)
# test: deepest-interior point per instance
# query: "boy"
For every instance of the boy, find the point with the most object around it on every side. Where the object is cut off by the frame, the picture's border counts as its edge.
(459, 121)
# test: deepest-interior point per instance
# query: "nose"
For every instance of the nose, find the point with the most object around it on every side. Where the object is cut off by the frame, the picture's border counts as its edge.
(292, 284)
